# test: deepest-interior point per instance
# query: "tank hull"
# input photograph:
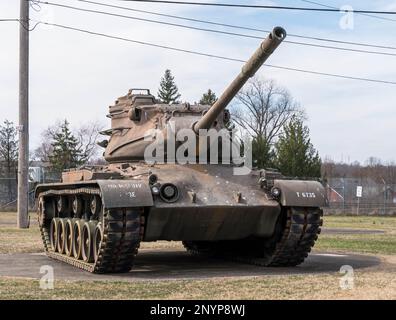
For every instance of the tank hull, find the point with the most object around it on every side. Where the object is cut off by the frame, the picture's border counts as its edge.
(102, 222)
(224, 207)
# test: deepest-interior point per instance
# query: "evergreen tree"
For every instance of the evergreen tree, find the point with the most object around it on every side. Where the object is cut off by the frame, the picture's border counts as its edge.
(262, 153)
(66, 151)
(208, 98)
(168, 91)
(295, 154)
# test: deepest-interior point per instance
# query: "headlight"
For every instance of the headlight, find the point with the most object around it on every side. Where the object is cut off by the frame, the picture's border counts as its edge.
(155, 190)
(275, 192)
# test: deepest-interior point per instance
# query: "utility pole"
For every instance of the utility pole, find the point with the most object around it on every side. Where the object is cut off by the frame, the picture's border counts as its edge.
(23, 156)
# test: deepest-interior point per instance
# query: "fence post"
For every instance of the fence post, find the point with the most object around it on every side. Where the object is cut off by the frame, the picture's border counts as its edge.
(343, 195)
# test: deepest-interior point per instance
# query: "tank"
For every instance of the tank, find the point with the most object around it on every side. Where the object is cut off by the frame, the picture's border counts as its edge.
(96, 218)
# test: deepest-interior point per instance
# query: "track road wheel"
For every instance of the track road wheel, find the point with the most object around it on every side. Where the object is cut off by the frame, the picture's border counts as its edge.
(77, 238)
(54, 234)
(69, 237)
(61, 238)
(88, 233)
(41, 211)
(98, 238)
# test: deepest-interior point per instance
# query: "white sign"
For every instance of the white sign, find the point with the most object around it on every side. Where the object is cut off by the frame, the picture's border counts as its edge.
(35, 174)
(359, 191)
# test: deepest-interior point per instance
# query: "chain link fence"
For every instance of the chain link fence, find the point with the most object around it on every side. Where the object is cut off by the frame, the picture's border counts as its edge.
(360, 197)
(9, 188)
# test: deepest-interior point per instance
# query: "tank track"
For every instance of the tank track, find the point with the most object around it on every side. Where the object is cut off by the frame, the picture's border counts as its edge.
(296, 231)
(122, 231)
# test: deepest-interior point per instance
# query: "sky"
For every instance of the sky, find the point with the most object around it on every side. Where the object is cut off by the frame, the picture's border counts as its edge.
(76, 76)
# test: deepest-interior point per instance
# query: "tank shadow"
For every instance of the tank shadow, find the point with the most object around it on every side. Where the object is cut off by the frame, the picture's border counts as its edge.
(181, 265)
(178, 264)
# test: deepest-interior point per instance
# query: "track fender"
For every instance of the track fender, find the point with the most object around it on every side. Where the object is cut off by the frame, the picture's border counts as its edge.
(301, 193)
(125, 193)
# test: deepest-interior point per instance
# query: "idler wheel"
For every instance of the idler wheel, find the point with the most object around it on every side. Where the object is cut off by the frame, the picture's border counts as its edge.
(95, 205)
(88, 233)
(77, 206)
(77, 238)
(61, 238)
(54, 234)
(98, 238)
(41, 211)
(69, 236)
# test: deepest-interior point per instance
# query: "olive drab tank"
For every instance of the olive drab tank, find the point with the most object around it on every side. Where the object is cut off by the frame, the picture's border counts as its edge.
(97, 216)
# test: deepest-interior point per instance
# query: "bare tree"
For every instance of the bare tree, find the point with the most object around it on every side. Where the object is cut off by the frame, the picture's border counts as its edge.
(44, 150)
(263, 108)
(8, 154)
(8, 148)
(373, 169)
(86, 135)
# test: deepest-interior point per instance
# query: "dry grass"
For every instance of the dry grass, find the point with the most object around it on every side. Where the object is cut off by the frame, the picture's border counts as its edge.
(362, 243)
(367, 285)
(377, 243)
(14, 240)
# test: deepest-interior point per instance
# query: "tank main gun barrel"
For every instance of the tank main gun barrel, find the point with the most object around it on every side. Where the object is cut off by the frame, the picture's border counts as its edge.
(266, 48)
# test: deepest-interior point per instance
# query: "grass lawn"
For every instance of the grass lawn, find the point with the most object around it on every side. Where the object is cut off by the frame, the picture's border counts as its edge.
(376, 243)
(361, 222)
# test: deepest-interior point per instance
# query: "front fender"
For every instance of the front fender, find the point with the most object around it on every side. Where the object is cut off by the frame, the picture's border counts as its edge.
(299, 193)
(115, 193)
(125, 193)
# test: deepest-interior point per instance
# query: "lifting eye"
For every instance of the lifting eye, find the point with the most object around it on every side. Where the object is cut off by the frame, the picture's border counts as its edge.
(135, 114)
(153, 178)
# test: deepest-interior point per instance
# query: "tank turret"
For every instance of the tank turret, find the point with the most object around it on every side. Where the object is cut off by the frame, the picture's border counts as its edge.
(135, 114)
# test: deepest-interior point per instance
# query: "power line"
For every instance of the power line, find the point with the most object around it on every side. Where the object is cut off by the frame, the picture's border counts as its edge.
(363, 14)
(254, 6)
(21, 23)
(236, 26)
(211, 55)
(212, 30)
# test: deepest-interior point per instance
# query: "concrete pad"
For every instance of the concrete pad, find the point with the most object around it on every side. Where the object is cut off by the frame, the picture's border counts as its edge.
(177, 264)
(350, 231)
